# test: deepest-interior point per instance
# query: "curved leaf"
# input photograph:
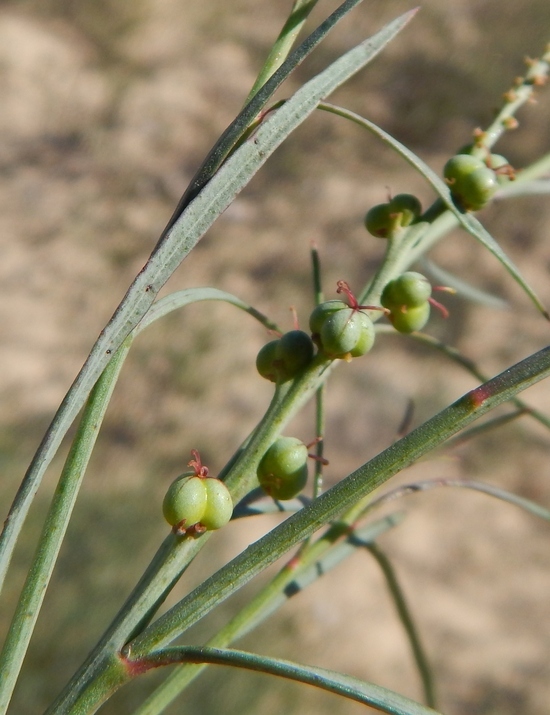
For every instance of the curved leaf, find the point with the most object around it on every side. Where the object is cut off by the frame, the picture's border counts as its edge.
(382, 699)
(181, 298)
(503, 494)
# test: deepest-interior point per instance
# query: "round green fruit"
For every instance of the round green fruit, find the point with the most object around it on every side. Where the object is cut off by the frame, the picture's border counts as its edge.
(410, 289)
(408, 206)
(192, 500)
(383, 220)
(322, 311)
(266, 359)
(282, 472)
(378, 220)
(347, 332)
(472, 183)
(294, 353)
(408, 320)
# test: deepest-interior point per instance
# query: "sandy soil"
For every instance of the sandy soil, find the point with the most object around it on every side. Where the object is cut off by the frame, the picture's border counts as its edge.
(107, 108)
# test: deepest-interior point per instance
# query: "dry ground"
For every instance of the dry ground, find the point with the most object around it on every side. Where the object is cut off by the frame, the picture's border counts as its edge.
(107, 108)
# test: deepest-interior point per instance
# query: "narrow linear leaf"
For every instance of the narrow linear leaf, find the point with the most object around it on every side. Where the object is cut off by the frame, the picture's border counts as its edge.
(470, 366)
(504, 495)
(467, 220)
(462, 287)
(181, 298)
(407, 620)
(175, 246)
(381, 699)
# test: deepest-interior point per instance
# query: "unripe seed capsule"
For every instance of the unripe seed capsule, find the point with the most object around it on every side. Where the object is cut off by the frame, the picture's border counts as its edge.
(341, 333)
(266, 360)
(411, 319)
(322, 311)
(366, 337)
(471, 182)
(282, 471)
(219, 505)
(378, 221)
(408, 206)
(192, 500)
(294, 353)
(411, 289)
(383, 220)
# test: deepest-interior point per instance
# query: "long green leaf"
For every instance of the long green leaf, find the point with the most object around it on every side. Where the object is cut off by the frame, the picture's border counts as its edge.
(175, 246)
(467, 220)
(382, 699)
(497, 492)
(181, 298)
(407, 620)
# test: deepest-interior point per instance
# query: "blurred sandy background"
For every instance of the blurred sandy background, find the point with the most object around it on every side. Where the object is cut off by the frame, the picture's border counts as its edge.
(107, 108)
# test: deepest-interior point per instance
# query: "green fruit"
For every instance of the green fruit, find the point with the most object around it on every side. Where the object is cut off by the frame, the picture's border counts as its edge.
(322, 311)
(366, 336)
(282, 359)
(294, 353)
(472, 183)
(341, 331)
(378, 221)
(192, 500)
(408, 206)
(410, 289)
(383, 220)
(282, 472)
(266, 361)
(347, 332)
(408, 320)
(219, 505)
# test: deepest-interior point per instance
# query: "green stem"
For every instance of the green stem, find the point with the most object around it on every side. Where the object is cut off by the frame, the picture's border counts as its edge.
(304, 568)
(407, 620)
(470, 366)
(55, 527)
(342, 496)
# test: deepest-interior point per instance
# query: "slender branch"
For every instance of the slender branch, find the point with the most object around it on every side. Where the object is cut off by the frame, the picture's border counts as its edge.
(407, 620)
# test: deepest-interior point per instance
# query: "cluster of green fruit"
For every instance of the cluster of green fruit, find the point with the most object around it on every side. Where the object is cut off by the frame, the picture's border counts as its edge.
(407, 298)
(196, 502)
(389, 219)
(338, 329)
(473, 181)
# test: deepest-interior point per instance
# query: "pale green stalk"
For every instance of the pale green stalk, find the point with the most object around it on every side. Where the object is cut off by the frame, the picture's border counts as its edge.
(55, 527)
(407, 620)
(340, 541)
